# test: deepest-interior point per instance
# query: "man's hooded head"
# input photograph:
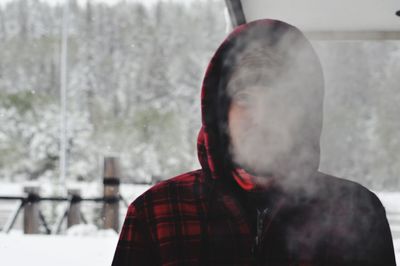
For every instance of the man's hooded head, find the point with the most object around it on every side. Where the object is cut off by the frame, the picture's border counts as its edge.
(262, 101)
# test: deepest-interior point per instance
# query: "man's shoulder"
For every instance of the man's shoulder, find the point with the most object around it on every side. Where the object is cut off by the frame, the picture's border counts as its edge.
(183, 180)
(342, 183)
(343, 189)
(185, 186)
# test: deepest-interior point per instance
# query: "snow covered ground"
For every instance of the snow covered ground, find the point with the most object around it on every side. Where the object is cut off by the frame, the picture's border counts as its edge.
(86, 245)
(16, 250)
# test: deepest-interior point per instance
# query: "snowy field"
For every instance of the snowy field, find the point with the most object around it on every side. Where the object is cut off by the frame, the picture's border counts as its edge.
(16, 250)
(85, 245)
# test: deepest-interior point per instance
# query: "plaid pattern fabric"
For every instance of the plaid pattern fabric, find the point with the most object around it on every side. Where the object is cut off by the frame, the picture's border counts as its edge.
(170, 225)
(204, 218)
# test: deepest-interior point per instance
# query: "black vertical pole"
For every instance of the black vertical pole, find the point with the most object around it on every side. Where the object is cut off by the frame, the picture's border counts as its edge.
(236, 13)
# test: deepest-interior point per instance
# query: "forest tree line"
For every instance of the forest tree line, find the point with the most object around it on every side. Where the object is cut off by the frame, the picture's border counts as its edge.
(134, 77)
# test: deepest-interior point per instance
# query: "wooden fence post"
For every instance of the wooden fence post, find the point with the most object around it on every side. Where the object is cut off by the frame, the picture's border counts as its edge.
(111, 181)
(74, 212)
(31, 210)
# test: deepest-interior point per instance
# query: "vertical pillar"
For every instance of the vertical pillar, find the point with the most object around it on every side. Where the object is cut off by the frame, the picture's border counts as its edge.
(111, 181)
(74, 212)
(31, 210)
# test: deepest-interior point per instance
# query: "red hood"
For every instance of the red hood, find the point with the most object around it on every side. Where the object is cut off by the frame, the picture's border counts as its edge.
(211, 144)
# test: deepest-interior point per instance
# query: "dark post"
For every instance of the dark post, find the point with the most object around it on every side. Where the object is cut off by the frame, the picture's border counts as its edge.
(31, 210)
(74, 211)
(111, 180)
(235, 11)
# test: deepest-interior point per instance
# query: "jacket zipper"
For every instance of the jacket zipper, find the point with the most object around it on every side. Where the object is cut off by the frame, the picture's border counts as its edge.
(259, 231)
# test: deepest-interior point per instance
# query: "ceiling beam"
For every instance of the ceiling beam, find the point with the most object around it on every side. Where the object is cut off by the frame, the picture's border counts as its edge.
(353, 35)
(331, 20)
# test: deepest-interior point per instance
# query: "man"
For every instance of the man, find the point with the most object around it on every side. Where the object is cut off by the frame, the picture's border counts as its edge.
(258, 198)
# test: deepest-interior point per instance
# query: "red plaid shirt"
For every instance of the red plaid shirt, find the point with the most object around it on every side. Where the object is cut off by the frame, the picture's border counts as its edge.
(205, 218)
